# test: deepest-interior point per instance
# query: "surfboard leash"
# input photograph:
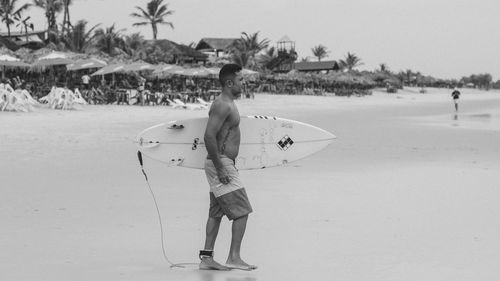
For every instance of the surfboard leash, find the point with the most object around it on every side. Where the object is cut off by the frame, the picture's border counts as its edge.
(164, 252)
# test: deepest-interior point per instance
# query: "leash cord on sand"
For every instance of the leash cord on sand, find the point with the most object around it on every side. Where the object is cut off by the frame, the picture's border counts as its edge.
(172, 265)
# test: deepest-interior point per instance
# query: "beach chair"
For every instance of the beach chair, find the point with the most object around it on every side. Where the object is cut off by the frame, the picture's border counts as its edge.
(174, 104)
(79, 98)
(189, 105)
(203, 102)
(4, 99)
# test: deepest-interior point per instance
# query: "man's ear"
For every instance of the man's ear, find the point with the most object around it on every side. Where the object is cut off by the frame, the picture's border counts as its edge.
(229, 83)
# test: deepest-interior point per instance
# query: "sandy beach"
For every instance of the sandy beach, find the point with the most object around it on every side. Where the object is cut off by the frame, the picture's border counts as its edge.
(408, 191)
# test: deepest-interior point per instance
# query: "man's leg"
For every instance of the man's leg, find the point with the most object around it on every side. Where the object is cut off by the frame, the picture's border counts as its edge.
(212, 229)
(238, 231)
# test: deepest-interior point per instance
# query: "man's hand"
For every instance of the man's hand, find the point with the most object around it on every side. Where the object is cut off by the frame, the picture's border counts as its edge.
(223, 175)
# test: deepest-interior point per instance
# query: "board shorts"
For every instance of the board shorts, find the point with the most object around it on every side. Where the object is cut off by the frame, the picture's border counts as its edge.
(226, 199)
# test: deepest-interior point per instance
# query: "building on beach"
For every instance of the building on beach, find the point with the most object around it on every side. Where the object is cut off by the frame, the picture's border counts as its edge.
(215, 48)
(31, 39)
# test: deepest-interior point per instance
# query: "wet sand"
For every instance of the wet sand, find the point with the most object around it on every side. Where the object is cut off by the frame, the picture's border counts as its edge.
(408, 191)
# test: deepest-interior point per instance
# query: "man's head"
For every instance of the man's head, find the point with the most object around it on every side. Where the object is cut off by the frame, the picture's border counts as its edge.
(231, 79)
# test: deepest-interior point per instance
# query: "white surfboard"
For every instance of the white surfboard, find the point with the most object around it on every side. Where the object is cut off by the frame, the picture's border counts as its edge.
(265, 142)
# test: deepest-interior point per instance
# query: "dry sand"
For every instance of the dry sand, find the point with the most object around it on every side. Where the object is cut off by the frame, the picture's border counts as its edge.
(408, 191)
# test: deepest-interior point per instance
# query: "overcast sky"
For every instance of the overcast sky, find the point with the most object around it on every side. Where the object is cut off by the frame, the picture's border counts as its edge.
(443, 38)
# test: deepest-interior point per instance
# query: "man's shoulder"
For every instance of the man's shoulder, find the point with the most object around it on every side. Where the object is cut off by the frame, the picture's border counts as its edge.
(220, 106)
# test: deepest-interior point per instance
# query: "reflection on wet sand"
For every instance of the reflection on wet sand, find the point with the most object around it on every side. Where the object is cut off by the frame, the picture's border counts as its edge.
(213, 275)
(483, 120)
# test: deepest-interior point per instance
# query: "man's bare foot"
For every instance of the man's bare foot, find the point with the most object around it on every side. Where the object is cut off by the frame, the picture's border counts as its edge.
(209, 263)
(240, 264)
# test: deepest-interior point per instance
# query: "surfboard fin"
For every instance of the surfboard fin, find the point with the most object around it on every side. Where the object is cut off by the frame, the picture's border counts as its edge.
(176, 162)
(176, 127)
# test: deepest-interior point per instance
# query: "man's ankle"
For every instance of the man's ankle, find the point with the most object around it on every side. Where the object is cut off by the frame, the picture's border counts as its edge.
(206, 254)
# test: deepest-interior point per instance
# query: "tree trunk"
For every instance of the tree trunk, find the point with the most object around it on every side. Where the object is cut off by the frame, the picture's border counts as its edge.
(64, 19)
(66, 22)
(155, 30)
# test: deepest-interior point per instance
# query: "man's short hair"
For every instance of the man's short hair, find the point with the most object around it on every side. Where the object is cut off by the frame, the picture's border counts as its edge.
(227, 72)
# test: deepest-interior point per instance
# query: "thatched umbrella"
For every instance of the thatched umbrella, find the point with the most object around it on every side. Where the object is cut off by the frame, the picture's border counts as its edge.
(165, 70)
(86, 64)
(194, 72)
(8, 61)
(54, 58)
(138, 66)
(111, 68)
(350, 79)
(123, 68)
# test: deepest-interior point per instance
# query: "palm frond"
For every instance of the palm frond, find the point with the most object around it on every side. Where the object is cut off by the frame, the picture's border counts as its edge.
(141, 23)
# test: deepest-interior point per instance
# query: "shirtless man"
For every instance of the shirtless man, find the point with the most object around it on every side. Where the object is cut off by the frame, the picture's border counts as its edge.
(227, 193)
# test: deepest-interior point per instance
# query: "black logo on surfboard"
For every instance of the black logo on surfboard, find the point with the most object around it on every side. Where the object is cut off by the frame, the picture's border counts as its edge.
(285, 143)
(195, 144)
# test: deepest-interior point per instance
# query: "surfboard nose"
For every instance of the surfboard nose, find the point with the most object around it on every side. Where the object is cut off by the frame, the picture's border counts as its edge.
(327, 135)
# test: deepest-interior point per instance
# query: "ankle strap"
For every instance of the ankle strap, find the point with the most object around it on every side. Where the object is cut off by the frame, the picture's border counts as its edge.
(206, 254)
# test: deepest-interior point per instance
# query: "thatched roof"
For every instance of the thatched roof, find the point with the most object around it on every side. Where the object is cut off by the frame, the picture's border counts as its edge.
(284, 39)
(219, 44)
(316, 65)
(178, 50)
(350, 78)
(16, 40)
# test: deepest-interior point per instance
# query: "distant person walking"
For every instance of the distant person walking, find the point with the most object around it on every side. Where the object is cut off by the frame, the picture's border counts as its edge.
(456, 96)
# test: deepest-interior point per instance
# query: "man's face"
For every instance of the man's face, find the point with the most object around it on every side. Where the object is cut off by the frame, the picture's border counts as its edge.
(237, 85)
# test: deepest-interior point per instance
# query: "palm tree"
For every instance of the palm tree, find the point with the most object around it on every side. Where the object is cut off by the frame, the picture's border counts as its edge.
(253, 44)
(66, 25)
(78, 39)
(25, 24)
(351, 61)
(240, 54)
(267, 56)
(9, 13)
(134, 44)
(109, 40)
(342, 66)
(154, 14)
(245, 49)
(384, 67)
(51, 7)
(320, 52)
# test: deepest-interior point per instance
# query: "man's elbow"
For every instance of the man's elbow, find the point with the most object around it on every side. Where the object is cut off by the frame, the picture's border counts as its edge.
(208, 138)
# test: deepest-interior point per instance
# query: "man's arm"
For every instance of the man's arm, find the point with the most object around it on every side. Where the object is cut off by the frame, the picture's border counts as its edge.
(218, 114)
